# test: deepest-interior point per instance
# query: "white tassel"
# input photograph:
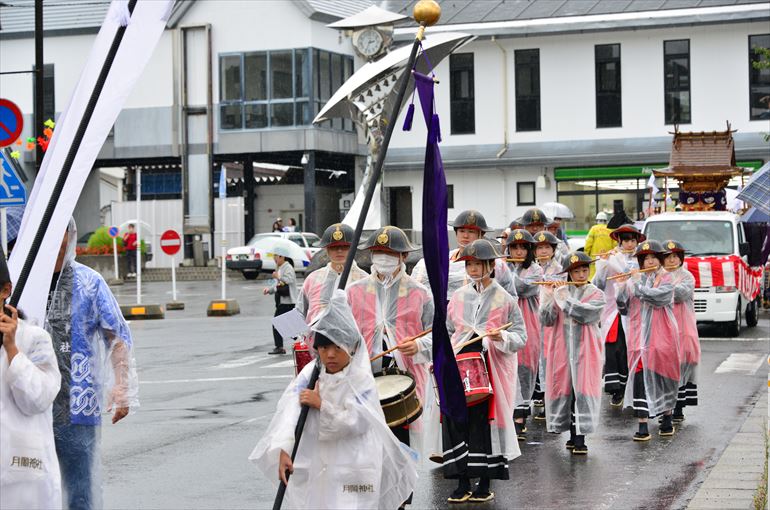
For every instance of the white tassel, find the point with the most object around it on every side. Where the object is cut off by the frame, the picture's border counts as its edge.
(119, 12)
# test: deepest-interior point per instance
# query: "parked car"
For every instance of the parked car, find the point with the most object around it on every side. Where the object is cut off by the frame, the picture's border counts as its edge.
(710, 234)
(253, 258)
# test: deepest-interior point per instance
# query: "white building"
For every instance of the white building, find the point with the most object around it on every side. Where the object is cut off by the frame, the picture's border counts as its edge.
(519, 105)
(586, 94)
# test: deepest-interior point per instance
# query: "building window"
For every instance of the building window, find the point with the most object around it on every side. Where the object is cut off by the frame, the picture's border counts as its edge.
(275, 89)
(759, 78)
(676, 69)
(461, 94)
(525, 193)
(608, 107)
(450, 196)
(527, 63)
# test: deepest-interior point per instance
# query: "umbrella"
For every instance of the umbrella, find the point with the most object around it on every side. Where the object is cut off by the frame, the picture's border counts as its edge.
(757, 190)
(282, 247)
(123, 227)
(556, 210)
(754, 215)
(381, 76)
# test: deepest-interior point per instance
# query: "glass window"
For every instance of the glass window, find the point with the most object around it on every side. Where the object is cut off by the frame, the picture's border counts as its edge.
(527, 63)
(450, 196)
(256, 115)
(230, 116)
(255, 77)
(700, 238)
(608, 99)
(759, 78)
(281, 114)
(297, 239)
(676, 69)
(230, 81)
(49, 96)
(301, 73)
(323, 90)
(461, 94)
(281, 65)
(525, 193)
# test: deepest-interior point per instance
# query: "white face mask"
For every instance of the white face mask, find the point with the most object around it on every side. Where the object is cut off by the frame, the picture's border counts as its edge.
(385, 264)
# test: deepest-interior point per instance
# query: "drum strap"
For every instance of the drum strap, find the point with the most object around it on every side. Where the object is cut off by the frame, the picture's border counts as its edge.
(491, 409)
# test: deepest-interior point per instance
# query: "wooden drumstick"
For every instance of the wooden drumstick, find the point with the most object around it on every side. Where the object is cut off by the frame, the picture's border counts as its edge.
(552, 282)
(621, 275)
(476, 339)
(410, 339)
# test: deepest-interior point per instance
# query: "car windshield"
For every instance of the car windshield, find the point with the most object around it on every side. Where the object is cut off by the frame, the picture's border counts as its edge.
(313, 240)
(259, 237)
(700, 238)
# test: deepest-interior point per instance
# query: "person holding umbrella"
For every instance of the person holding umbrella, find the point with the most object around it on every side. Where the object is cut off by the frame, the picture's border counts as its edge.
(130, 244)
(284, 288)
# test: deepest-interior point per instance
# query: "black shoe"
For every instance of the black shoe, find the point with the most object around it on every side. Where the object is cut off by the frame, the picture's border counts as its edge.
(640, 436)
(278, 350)
(678, 418)
(616, 400)
(521, 430)
(481, 496)
(570, 444)
(580, 449)
(538, 403)
(540, 416)
(459, 496)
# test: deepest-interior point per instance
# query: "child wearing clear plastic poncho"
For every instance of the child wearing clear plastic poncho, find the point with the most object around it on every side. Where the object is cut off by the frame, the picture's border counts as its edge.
(525, 272)
(684, 312)
(572, 310)
(484, 446)
(614, 323)
(347, 456)
(653, 340)
(29, 382)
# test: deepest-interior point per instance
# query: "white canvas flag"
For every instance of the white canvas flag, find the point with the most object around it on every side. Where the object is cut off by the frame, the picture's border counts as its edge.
(143, 28)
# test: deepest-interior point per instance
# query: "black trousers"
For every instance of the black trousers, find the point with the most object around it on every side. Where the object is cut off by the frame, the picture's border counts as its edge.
(641, 408)
(279, 310)
(616, 363)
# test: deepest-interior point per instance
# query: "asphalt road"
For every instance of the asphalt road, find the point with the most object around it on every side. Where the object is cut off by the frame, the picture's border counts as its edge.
(208, 390)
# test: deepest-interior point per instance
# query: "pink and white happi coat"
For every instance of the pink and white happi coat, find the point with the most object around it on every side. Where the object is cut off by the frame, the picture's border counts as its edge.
(528, 293)
(615, 264)
(652, 338)
(684, 313)
(319, 287)
(391, 313)
(472, 311)
(575, 356)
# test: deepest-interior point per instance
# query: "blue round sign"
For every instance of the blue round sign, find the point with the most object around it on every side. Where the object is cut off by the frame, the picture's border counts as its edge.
(113, 231)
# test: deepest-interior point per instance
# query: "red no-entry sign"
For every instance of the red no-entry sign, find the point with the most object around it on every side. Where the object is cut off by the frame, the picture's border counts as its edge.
(11, 122)
(170, 242)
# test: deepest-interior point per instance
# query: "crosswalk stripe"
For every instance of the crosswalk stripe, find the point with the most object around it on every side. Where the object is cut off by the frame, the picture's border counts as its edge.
(741, 363)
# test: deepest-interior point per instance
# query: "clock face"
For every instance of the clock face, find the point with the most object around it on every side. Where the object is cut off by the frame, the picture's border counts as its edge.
(369, 42)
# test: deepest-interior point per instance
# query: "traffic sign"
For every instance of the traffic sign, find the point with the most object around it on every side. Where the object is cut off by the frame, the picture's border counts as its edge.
(11, 122)
(170, 242)
(12, 191)
(113, 232)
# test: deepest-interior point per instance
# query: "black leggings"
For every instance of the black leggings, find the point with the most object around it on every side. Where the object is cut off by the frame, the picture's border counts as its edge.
(279, 310)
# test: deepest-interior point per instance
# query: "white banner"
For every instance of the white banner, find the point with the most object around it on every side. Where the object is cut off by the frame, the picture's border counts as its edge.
(143, 30)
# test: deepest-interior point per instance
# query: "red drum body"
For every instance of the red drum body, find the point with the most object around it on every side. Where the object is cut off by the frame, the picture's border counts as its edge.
(475, 377)
(302, 356)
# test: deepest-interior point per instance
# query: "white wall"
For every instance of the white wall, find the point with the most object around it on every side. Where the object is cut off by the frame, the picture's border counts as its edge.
(719, 75)
(490, 191)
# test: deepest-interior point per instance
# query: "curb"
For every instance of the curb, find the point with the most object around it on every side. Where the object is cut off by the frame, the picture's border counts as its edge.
(737, 475)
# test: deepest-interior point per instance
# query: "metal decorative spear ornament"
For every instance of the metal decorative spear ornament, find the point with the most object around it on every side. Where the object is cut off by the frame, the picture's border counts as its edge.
(426, 13)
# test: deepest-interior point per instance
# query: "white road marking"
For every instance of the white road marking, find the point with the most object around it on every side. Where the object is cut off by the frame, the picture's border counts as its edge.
(281, 364)
(741, 363)
(729, 339)
(241, 362)
(219, 379)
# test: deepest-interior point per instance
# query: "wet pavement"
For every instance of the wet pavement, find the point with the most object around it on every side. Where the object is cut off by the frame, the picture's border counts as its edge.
(208, 391)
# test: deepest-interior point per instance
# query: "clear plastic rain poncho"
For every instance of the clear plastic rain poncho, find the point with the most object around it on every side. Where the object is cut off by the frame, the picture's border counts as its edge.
(347, 457)
(689, 340)
(616, 263)
(552, 270)
(93, 344)
(529, 303)
(316, 292)
(29, 469)
(575, 356)
(471, 313)
(652, 338)
(391, 311)
(458, 277)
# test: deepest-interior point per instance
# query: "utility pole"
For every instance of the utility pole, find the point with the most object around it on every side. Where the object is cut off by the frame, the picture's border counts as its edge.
(37, 124)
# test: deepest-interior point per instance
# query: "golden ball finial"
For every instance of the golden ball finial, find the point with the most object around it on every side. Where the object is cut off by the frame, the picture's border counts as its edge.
(427, 12)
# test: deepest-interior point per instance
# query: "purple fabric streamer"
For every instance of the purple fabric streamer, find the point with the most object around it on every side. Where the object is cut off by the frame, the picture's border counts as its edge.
(435, 248)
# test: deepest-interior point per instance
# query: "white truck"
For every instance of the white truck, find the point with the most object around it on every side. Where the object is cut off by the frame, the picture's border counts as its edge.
(706, 234)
